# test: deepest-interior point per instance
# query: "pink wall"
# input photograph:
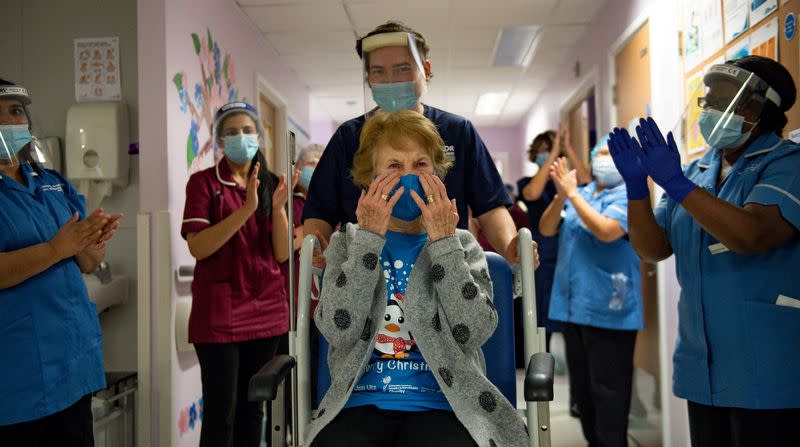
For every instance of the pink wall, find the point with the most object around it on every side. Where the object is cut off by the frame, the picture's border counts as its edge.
(322, 130)
(166, 48)
(509, 140)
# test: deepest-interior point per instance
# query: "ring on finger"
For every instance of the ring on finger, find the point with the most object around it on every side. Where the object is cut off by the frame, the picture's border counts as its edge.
(430, 198)
(385, 197)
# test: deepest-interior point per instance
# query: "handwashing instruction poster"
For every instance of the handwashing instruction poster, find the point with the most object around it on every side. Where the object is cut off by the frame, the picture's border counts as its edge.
(97, 69)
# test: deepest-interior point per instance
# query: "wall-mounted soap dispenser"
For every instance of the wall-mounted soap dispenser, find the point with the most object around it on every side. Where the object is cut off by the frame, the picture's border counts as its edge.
(96, 153)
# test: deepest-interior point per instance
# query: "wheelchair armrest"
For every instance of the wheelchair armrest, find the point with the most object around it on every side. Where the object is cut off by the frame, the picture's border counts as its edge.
(264, 384)
(539, 378)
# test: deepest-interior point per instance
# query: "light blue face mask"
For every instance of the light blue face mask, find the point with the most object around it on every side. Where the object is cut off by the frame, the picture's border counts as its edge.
(395, 95)
(541, 158)
(15, 136)
(604, 170)
(729, 132)
(406, 208)
(305, 177)
(241, 148)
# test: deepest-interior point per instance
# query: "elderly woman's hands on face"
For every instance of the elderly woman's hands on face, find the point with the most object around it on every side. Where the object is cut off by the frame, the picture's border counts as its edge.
(375, 205)
(439, 213)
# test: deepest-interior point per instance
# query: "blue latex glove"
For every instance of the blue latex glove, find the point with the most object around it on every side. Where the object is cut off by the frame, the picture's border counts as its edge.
(625, 153)
(662, 161)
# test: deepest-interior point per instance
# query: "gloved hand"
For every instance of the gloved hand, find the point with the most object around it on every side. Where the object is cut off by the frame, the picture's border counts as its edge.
(625, 153)
(662, 161)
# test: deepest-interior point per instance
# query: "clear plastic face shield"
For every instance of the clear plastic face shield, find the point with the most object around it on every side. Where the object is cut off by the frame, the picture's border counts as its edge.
(237, 124)
(394, 72)
(723, 109)
(18, 143)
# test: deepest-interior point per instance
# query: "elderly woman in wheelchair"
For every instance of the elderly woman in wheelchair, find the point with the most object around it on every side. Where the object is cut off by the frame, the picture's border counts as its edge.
(406, 305)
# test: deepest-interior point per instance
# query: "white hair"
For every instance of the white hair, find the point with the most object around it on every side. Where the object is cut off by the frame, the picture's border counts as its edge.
(310, 154)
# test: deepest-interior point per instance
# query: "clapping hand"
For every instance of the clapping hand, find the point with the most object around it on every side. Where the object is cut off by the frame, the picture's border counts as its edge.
(662, 161)
(251, 203)
(566, 180)
(625, 152)
(74, 236)
(281, 194)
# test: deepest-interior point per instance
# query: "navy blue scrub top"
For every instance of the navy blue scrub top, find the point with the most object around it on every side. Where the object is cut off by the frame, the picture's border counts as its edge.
(473, 180)
(50, 340)
(738, 315)
(548, 246)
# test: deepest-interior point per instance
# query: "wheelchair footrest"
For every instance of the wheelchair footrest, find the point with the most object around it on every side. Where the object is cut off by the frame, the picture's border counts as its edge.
(264, 384)
(539, 378)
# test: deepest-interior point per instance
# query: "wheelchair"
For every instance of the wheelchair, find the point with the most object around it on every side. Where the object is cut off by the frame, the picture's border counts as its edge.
(269, 383)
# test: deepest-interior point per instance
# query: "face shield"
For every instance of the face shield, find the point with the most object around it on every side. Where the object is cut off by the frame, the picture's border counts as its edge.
(18, 143)
(724, 109)
(238, 139)
(394, 72)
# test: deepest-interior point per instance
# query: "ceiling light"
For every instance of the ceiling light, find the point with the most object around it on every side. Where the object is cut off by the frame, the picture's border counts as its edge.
(516, 46)
(491, 103)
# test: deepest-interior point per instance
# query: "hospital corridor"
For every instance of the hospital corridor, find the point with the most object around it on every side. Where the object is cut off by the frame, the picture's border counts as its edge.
(314, 223)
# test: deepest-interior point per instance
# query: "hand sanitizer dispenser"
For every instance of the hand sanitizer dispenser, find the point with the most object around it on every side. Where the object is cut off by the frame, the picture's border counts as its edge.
(96, 156)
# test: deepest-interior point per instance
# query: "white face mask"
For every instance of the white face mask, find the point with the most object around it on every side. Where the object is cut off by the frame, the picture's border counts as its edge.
(604, 170)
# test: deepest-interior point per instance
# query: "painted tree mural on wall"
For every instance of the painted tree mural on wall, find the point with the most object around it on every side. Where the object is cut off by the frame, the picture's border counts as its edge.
(216, 88)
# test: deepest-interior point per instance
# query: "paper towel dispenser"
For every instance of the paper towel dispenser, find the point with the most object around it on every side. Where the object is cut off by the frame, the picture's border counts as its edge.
(96, 155)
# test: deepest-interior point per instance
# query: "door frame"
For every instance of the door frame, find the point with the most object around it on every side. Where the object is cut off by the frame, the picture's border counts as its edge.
(264, 87)
(613, 50)
(588, 83)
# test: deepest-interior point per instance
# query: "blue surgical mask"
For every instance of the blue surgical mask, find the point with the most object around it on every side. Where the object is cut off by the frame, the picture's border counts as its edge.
(16, 136)
(241, 148)
(395, 96)
(729, 132)
(604, 170)
(541, 158)
(406, 208)
(305, 177)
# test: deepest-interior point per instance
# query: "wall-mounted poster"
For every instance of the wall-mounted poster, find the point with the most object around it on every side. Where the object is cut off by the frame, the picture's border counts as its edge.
(759, 9)
(764, 40)
(693, 54)
(694, 139)
(97, 69)
(736, 18)
(711, 37)
(738, 51)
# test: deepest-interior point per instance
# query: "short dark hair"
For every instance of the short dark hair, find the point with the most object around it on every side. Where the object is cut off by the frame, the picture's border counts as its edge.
(394, 26)
(548, 136)
(773, 118)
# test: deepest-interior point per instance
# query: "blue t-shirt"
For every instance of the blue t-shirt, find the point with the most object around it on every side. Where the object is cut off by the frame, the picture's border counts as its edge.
(397, 377)
(473, 180)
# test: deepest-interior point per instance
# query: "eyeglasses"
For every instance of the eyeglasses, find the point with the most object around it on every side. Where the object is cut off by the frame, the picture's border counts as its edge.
(706, 102)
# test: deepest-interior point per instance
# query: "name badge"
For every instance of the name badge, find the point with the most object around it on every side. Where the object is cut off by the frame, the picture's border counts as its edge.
(718, 248)
(784, 300)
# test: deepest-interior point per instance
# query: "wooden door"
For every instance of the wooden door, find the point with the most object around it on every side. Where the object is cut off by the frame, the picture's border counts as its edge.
(578, 122)
(632, 100)
(268, 117)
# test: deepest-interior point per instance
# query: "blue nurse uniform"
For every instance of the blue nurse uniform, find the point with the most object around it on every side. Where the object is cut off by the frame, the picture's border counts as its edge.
(739, 315)
(50, 340)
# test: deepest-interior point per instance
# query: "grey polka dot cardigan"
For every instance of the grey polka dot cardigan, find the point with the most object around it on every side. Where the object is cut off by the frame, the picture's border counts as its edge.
(449, 310)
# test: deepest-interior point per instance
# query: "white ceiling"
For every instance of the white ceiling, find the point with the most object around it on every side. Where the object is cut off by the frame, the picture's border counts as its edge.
(316, 39)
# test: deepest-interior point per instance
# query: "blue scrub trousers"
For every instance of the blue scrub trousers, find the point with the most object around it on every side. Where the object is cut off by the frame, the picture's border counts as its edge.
(71, 427)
